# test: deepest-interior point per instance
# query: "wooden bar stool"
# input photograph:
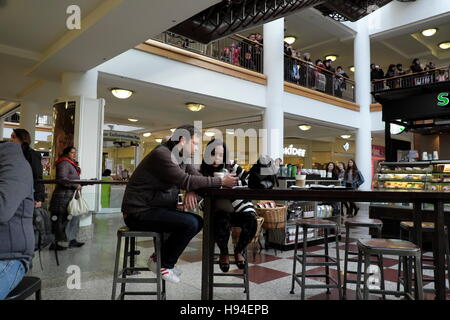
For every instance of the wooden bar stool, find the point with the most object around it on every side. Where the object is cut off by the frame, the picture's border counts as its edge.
(129, 251)
(354, 223)
(406, 228)
(300, 278)
(405, 249)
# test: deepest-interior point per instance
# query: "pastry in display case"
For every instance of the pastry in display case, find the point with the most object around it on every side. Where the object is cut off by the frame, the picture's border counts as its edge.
(413, 176)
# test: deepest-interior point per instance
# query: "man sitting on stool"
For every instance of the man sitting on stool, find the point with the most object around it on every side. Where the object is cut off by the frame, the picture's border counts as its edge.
(151, 196)
(16, 217)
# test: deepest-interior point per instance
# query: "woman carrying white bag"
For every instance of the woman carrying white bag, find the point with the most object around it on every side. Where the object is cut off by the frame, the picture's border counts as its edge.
(66, 197)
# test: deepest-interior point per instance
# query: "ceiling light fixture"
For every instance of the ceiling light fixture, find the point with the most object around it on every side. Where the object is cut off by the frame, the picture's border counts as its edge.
(352, 69)
(210, 133)
(133, 120)
(121, 93)
(331, 57)
(195, 107)
(346, 136)
(172, 130)
(304, 127)
(429, 32)
(230, 131)
(159, 140)
(444, 45)
(290, 39)
(147, 134)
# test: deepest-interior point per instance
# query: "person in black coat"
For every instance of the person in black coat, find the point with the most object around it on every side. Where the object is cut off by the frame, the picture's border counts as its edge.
(22, 137)
(390, 74)
(415, 66)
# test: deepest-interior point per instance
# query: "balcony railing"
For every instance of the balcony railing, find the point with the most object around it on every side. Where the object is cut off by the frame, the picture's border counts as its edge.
(236, 50)
(307, 75)
(411, 80)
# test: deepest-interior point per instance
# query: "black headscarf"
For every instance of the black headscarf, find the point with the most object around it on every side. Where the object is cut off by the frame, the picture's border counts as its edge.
(208, 169)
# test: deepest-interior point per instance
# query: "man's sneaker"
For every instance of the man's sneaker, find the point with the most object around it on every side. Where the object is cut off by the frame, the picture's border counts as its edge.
(169, 275)
(177, 271)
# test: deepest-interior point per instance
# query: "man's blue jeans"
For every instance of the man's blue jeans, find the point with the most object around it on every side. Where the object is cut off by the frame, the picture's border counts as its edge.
(11, 273)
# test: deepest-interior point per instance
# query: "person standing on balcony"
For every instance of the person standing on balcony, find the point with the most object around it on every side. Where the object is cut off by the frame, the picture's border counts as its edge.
(390, 73)
(329, 77)
(415, 66)
(340, 83)
(376, 73)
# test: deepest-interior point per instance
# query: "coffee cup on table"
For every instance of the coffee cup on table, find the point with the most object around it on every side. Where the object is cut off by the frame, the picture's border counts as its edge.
(300, 180)
(219, 174)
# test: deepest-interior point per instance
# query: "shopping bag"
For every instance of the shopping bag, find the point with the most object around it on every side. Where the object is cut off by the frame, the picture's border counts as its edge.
(77, 206)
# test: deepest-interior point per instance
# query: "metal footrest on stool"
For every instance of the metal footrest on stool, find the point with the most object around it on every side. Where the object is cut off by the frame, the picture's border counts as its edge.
(128, 269)
(245, 285)
(300, 278)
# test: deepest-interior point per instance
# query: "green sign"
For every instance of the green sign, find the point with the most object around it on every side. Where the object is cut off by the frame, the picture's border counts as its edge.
(443, 99)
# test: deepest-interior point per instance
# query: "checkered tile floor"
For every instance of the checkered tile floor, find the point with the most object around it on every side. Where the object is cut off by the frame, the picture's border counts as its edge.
(270, 269)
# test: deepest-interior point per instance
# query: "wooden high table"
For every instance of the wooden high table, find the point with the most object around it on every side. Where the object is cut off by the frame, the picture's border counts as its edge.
(331, 195)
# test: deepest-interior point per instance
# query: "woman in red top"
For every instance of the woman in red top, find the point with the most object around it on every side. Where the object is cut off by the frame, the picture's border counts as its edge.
(65, 227)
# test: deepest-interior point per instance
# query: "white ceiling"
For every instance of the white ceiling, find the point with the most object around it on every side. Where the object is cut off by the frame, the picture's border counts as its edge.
(158, 107)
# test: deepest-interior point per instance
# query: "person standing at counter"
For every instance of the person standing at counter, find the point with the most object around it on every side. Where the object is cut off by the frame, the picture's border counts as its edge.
(353, 179)
(151, 196)
(66, 229)
(237, 213)
(332, 171)
(22, 137)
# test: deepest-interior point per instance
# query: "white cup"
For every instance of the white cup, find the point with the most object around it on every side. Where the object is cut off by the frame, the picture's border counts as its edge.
(219, 174)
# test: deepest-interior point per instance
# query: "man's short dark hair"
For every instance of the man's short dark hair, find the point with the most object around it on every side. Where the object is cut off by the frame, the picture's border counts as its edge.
(23, 135)
(176, 134)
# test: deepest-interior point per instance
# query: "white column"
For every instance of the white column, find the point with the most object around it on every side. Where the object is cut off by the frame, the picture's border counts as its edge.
(28, 113)
(2, 128)
(89, 117)
(273, 69)
(363, 98)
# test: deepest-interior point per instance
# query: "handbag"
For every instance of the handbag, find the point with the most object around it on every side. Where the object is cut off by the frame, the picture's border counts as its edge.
(77, 206)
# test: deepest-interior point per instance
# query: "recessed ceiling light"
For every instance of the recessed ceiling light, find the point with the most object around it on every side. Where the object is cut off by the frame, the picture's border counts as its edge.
(304, 127)
(41, 148)
(173, 130)
(352, 69)
(36, 142)
(346, 136)
(195, 107)
(147, 134)
(210, 133)
(429, 32)
(159, 140)
(444, 45)
(331, 57)
(121, 93)
(290, 39)
(133, 120)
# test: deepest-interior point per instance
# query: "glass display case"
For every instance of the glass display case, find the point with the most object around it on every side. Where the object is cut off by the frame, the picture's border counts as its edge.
(413, 176)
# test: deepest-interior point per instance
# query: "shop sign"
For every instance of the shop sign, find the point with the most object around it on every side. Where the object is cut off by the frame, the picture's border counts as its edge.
(120, 136)
(291, 151)
(443, 99)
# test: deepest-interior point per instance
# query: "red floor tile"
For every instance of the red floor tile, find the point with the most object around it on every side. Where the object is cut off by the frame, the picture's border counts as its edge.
(261, 258)
(258, 274)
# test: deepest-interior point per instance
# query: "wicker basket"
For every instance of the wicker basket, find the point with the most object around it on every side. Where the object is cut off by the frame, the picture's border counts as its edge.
(274, 218)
